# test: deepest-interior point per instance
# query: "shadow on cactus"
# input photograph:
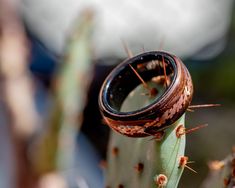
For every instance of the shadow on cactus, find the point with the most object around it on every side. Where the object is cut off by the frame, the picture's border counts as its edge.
(145, 99)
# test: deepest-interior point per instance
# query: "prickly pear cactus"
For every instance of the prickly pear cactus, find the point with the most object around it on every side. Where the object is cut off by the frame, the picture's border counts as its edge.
(153, 112)
(146, 162)
(222, 173)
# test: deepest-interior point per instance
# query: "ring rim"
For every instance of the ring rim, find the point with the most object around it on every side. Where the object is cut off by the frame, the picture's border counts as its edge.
(138, 122)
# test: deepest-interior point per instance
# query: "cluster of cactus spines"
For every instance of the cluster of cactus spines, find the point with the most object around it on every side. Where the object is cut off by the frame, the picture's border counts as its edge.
(56, 147)
(145, 162)
(222, 173)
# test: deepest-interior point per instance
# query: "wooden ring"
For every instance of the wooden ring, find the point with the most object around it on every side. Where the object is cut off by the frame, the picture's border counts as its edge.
(164, 111)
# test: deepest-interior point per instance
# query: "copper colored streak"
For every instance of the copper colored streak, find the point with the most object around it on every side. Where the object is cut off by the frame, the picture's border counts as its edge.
(141, 79)
(195, 128)
(111, 122)
(182, 130)
(164, 69)
(127, 50)
(204, 105)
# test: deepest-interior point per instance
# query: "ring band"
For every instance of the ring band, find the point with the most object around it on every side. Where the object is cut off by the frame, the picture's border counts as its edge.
(158, 115)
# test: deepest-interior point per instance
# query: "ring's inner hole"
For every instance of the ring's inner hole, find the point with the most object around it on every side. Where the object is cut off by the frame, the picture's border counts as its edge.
(141, 84)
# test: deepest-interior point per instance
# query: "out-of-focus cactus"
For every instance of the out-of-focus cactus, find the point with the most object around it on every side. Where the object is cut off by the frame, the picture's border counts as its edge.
(222, 173)
(156, 161)
(56, 147)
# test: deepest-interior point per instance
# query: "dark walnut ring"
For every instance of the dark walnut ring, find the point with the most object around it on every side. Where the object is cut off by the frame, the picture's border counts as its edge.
(163, 111)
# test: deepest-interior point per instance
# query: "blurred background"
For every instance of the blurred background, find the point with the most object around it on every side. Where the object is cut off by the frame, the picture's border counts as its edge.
(54, 56)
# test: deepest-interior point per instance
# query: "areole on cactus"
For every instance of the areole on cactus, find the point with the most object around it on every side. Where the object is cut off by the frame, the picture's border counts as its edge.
(146, 96)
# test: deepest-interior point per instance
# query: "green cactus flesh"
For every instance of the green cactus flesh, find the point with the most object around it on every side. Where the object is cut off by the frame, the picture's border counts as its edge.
(143, 96)
(138, 162)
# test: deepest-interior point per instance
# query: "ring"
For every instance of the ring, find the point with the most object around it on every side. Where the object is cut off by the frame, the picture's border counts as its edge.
(165, 107)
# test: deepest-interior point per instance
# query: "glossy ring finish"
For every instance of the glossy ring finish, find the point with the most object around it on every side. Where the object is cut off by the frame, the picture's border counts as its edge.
(160, 114)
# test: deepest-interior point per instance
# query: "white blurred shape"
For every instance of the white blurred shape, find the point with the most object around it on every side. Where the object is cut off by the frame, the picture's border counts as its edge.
(52, 180)
(186, 26)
